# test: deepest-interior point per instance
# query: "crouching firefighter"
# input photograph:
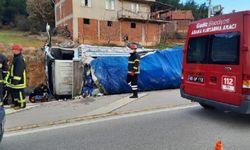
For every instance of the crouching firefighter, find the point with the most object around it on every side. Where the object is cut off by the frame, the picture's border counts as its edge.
(3, 73)
(18, 77)
(133, 70)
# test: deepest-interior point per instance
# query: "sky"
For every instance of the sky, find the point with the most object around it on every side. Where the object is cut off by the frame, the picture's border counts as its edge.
(229, 5)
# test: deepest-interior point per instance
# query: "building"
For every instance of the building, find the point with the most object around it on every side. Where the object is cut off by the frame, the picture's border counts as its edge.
(109, 21)
(181, 19)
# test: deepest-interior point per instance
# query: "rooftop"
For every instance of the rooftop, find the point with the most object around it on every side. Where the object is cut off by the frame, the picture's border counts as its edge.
(180, 15)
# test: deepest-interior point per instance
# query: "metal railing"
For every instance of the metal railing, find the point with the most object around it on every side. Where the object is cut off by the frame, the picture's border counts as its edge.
(128, 14)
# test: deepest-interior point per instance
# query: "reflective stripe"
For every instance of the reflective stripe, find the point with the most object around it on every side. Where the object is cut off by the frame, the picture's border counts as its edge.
(132, 62)
(17, 78)
(24, 79)
(21, 100)
(134, 88)
(7, 77)
(1, 65)
(19, 86)
(135, 68)
(5, 94)
(1, 81)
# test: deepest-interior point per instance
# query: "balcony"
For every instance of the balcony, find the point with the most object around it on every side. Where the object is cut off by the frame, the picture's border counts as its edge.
(141, 1)
(130, 15)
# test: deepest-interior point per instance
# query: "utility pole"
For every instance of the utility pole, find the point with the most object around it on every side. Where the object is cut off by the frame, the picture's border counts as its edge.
(209, 8)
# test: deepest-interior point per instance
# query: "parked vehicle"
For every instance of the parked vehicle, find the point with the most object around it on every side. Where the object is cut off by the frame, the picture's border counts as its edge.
(216, 63)
(2, 122)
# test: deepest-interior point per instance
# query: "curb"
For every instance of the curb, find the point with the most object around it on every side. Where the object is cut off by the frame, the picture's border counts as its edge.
(86, 118)
(9, 111)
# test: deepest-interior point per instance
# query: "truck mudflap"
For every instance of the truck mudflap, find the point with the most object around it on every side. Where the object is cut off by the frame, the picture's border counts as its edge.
(243, 108)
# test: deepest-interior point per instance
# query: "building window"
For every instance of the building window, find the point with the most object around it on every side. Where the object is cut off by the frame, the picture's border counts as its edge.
(133, 25)
(110, 4)
(86, 21)
(135, 7)
(109, 23)
(86, 3)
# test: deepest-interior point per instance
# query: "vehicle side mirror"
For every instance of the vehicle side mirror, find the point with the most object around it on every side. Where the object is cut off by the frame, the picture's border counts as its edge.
(47, 27)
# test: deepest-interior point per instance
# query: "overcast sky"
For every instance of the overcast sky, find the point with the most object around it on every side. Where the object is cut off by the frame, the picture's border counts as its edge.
(229, 5)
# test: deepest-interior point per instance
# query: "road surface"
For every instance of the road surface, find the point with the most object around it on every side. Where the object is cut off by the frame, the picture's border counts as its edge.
(181, 128)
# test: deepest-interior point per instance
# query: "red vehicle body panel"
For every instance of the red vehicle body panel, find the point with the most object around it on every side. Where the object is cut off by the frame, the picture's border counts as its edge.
(222, 83)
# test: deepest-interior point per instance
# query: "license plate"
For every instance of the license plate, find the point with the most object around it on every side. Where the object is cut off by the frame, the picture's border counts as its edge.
(195, 79)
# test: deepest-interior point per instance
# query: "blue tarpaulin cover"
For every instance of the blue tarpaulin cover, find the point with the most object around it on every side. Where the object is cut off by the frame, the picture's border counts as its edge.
(158, 70)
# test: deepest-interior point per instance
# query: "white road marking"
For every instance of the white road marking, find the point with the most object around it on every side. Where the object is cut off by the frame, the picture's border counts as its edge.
(98, 120)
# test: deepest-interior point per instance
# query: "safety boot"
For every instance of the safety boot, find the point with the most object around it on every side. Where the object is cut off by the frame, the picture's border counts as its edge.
(135, 94)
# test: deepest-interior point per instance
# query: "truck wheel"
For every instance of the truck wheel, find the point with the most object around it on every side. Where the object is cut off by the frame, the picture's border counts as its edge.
(205, 106)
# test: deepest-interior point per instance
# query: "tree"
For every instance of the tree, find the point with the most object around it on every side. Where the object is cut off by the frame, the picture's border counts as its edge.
(175, 3)
(40, 12)
(9, 9)
(2, 3)
(199, 11)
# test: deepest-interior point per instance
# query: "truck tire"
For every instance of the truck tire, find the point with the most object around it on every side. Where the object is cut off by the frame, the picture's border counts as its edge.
(205, 106)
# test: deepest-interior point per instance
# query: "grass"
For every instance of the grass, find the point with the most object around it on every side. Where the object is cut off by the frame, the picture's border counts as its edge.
(169, 44)
(8, 37)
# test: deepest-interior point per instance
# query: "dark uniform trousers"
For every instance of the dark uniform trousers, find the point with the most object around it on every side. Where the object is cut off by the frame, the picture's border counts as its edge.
(132, 81)
(3, 72)
(18, 97)
(133, 72)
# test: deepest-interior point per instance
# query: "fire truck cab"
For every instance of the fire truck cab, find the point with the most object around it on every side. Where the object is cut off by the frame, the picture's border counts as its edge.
(216, 62)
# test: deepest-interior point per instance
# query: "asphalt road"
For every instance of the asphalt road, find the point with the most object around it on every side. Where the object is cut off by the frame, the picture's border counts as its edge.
(190, 128)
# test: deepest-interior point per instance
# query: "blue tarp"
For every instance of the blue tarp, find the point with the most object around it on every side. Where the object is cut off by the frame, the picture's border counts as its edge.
(159, 70)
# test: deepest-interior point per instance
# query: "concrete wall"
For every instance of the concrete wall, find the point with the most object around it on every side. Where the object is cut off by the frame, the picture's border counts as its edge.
(97, 10)
(98, 32)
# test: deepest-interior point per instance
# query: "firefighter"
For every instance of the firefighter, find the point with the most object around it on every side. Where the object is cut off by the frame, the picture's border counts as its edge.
(133, 70)
(3, 74)
(18, 77)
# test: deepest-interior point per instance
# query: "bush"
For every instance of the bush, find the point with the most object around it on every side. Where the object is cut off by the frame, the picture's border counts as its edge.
(171, 35)
(22, 23)
(36, 25)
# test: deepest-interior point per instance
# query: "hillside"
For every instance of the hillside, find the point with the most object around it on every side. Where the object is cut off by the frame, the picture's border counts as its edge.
(32, 53)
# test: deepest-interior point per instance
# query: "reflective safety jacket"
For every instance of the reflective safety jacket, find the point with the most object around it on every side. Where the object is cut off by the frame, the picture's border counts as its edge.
(17, 73)
(3, 68)
(134, 63)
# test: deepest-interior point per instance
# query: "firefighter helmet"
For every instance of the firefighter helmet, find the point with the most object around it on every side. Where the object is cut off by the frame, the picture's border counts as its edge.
(133, 46)
(16, 47)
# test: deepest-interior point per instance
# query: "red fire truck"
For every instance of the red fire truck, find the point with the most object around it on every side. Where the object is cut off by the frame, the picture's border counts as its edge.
(216, 62)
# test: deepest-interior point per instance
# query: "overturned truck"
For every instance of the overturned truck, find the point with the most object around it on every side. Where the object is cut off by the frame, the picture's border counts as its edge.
(108, 65)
